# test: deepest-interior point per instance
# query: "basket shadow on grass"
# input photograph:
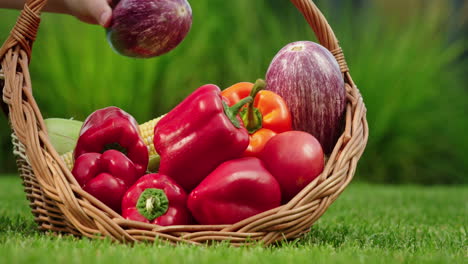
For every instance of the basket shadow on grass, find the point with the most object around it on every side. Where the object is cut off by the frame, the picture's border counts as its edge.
(321, 235)
(25, 227)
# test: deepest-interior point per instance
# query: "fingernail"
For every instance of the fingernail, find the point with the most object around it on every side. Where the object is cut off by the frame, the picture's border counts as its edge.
(104, 19)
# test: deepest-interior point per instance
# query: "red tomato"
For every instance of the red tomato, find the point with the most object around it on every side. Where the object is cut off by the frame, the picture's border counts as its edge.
(294, 158)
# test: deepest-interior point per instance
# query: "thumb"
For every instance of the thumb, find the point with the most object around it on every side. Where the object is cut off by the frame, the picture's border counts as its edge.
(100, 11)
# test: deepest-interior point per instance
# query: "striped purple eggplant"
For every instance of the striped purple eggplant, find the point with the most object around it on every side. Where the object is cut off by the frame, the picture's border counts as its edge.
(148, 28)
(309, 79)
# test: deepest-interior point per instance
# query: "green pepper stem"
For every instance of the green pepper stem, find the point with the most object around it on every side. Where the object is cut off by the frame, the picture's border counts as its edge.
(115, 146)
(252, 117)
(152, 203)
(258, 86)
(233, 111)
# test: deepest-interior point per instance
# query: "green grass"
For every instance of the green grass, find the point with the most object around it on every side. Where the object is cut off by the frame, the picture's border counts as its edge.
(367, 224)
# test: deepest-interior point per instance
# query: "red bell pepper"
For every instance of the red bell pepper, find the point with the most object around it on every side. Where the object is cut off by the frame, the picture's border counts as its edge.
(105, 176)
(199, 134)
(156, 199)
(265, 117)
(235, 190)
(113, 128)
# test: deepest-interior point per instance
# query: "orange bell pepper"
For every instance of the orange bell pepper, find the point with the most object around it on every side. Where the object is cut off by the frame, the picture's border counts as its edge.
(267, 116)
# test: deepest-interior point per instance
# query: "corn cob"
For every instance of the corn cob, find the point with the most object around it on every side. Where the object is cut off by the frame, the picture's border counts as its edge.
(146, 133)
(68, 159)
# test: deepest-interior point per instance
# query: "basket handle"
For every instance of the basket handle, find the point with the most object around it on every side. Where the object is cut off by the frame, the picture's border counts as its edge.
(25, 30)
(322, 30)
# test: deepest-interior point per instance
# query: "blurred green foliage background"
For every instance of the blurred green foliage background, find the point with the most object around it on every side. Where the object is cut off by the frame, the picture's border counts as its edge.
(409, 61)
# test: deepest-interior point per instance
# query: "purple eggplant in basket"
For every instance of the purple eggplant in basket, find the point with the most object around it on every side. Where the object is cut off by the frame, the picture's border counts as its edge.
(309, 79)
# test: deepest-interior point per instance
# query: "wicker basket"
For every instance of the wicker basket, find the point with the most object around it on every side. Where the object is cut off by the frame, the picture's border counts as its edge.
(61, 206)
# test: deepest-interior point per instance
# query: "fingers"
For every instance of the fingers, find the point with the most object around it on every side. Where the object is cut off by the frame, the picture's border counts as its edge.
(90, 11)
(99, 10)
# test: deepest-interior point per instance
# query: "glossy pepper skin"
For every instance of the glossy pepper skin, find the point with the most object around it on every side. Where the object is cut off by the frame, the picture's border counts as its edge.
(199, 134)
(267, 116)
(157, 199)
(235, 190)
(106, 176)
(113, 128)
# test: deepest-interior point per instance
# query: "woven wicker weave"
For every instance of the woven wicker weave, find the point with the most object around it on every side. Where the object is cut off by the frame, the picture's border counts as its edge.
(60, 205)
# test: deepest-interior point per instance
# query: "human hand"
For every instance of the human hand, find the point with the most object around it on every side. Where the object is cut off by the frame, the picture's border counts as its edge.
(90, 11)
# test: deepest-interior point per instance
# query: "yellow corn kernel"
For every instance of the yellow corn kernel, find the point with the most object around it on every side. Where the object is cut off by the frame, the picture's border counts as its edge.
(146, 133)
(68, 159)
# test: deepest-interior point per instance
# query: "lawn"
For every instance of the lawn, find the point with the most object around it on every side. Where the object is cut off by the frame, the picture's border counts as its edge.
(367, 224)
